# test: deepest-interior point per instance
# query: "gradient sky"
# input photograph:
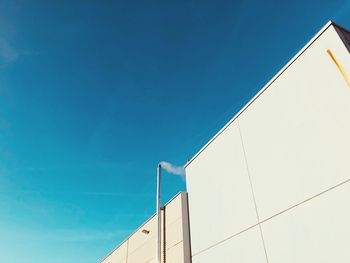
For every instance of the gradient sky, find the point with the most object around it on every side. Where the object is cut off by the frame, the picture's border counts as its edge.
(93, 94)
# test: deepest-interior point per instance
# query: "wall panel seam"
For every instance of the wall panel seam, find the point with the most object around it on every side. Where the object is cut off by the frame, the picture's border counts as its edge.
(306, 200)
(251, 188)
(224, 240)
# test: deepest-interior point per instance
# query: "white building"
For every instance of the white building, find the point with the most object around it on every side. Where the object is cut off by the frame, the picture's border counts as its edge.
(273, 185)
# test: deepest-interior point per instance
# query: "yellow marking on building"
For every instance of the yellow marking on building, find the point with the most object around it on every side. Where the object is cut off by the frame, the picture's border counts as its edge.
(340, 68)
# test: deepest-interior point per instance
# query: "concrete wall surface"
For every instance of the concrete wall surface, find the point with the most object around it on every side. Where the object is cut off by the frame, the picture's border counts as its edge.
(141, 247)
(274, 184)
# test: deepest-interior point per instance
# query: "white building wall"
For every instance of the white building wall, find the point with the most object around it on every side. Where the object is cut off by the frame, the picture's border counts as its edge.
(273, 185)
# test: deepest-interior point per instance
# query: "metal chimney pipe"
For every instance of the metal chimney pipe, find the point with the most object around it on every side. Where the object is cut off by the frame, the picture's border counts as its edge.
(158, 237)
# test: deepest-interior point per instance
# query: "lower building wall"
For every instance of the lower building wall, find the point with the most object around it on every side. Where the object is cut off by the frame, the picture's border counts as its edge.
(140, 247)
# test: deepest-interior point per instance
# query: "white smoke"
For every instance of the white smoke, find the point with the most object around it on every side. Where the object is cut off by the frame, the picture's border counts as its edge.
(173, 169)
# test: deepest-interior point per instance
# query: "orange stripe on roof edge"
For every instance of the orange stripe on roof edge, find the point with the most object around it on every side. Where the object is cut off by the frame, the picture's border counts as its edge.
(340, 68)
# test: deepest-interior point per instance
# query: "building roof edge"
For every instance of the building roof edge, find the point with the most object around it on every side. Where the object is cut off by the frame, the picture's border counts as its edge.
(265, 87)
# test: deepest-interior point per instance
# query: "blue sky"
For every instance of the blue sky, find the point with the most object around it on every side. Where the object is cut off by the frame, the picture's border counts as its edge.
(93, 94)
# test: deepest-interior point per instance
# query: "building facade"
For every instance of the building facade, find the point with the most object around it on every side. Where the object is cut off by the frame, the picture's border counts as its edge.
(140, 247)
(274, 184)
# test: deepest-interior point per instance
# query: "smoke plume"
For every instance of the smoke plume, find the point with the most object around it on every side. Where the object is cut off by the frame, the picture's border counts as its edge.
(173, 169)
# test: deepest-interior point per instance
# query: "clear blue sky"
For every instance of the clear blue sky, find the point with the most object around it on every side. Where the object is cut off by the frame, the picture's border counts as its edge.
(93, 94)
